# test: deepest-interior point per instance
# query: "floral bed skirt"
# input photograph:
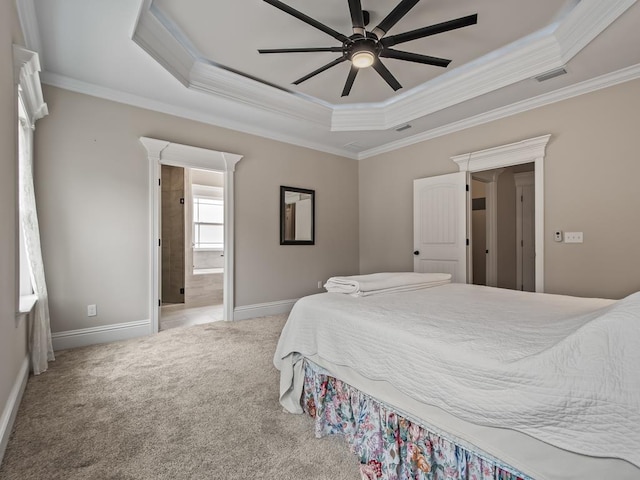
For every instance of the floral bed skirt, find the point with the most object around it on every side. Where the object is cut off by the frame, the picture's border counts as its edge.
(389, 446)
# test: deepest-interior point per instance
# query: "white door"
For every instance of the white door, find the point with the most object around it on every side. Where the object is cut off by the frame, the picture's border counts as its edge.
(440, 225)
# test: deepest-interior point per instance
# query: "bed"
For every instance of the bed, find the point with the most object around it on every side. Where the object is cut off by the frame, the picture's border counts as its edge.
(513, 384)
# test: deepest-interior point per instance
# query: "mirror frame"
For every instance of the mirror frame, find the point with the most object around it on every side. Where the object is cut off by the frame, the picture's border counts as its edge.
(283, 191)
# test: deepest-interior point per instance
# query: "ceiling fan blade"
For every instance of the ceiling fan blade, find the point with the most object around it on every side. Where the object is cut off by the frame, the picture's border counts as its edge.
(430, 30)
(350, 79)
(394, 17)
(308, 20)
(386, 74)
(320, 70)
(300, 50)
(414, 57)
(357, 17)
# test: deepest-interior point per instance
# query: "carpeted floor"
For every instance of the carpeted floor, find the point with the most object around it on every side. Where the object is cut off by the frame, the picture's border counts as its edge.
(197, 402)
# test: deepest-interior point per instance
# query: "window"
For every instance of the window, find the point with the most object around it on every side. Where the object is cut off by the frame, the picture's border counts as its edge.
(208, 223)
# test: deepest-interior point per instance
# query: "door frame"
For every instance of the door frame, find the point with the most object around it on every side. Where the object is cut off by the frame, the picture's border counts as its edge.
(531, 150)
(163, 152)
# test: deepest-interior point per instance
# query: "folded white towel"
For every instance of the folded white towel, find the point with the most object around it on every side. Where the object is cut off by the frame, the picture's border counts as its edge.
(386, 282)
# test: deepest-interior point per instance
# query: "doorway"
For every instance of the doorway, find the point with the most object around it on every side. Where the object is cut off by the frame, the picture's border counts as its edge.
(510, 193)
(192, 219)
(163, 152)
(443, 213)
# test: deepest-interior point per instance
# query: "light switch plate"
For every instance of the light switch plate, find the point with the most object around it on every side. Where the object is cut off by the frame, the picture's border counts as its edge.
(92, 311)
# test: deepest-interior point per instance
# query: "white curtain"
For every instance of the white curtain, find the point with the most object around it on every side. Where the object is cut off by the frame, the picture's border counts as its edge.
(40, 346)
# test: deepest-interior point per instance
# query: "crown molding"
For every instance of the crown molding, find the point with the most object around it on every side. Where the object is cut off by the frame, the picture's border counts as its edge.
(585, 22)
(210, 79)
(587, 86)
(29, 25)
(513, 63)
(163, 40)
(218, 119)
(155, 39)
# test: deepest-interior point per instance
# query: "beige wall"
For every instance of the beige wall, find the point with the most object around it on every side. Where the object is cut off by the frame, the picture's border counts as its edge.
(592, 169)
(91, 180)
(12, 337)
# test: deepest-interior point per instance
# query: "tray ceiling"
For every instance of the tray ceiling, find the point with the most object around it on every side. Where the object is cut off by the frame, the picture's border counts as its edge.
(198, 59)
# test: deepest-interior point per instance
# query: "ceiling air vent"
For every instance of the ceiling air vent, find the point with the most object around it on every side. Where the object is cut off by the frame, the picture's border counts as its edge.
(551, 74)
(403, 128)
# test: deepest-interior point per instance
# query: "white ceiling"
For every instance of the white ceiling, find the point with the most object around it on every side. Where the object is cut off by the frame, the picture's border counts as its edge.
(198, 59)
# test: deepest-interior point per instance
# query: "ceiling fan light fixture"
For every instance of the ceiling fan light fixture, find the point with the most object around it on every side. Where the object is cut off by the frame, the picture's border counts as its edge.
(363, 59)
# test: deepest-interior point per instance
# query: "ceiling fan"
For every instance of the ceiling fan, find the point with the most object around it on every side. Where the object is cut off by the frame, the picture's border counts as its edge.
(365, 48)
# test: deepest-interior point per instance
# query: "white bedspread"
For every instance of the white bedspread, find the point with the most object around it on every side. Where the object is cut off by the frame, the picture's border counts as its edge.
(562, 369)
(385, 282)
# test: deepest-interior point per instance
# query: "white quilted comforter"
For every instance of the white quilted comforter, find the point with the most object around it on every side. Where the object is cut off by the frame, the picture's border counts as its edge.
(562, 369)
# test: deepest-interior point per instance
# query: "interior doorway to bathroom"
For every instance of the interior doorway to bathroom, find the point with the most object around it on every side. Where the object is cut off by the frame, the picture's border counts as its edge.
(192, 226)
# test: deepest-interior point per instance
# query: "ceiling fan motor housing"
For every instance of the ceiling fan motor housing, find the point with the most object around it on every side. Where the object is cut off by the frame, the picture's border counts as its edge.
(361, 45)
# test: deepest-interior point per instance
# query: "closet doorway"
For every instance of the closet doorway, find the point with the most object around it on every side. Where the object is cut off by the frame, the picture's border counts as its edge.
(503, 205)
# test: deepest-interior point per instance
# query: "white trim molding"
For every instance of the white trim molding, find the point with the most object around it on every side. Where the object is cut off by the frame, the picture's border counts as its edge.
(27, 77)
(11, 407)
(263, 309)
(29, 24)
(526, 151)
(162, 152)
(549, 48)
(102, 334)
(588, 86)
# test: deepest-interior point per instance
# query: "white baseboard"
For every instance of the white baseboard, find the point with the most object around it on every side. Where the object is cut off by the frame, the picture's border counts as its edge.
(263, 309)
(103, 334)
(11, 408)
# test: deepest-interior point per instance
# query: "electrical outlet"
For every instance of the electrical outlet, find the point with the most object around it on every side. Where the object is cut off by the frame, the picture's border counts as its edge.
(573, 237)
(92, 311)
(557, 235)
(319, 283)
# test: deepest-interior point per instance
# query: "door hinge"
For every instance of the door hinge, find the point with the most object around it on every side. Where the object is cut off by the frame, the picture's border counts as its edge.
(182, 291)
(182, 201)
(159, 182)
(159, 242)
(159, 302)
(467, 242)
(467, 187)
(522, 198)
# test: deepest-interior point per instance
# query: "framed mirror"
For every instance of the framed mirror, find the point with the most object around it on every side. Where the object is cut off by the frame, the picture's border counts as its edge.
(297, 216)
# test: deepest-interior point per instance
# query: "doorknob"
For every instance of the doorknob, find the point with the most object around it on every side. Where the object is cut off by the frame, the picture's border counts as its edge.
(417, 252)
